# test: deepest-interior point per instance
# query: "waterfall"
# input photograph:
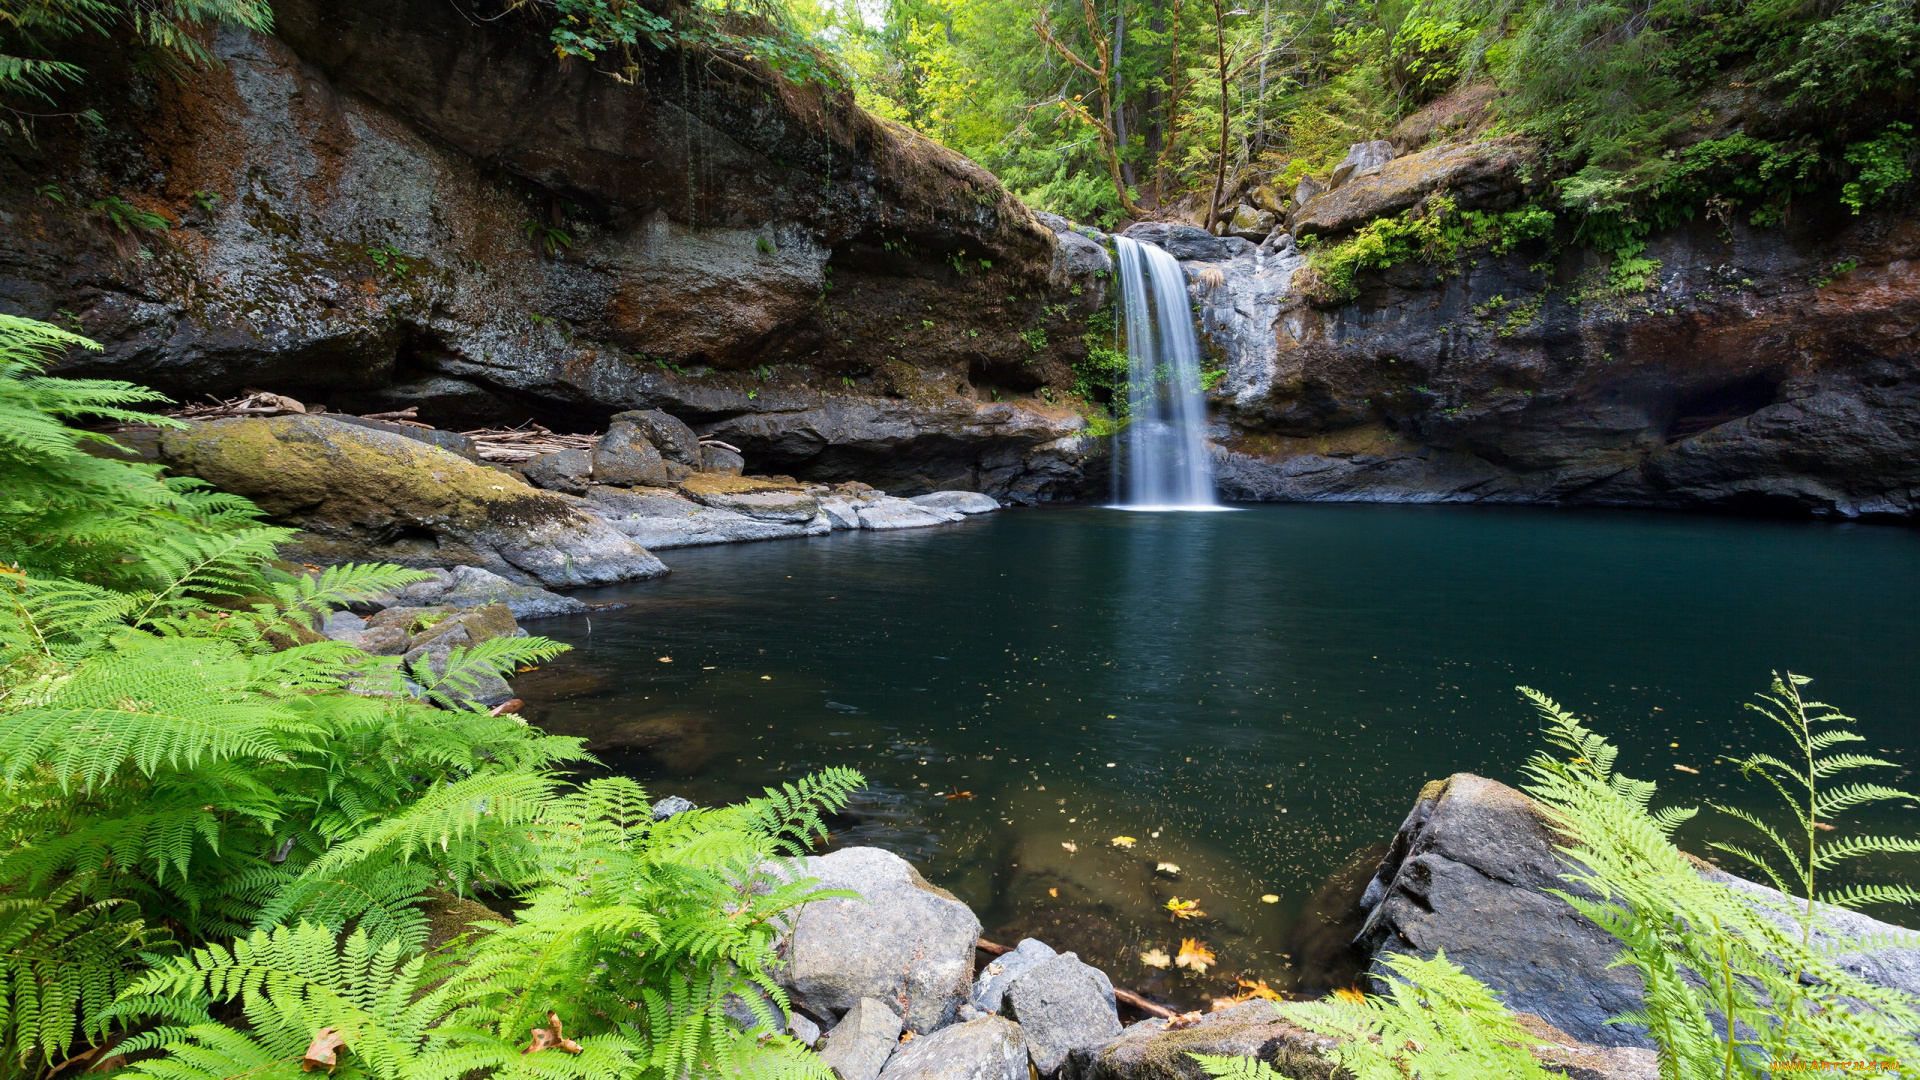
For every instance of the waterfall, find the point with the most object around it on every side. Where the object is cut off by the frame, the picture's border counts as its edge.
(1161, 459)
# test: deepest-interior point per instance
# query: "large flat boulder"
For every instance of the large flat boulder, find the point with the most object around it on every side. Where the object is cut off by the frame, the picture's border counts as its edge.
(1485, 175)
(658, 518)
(904, 941)
(1470, 872)
(1188, 242)
(753, 496)
(959, 502)
(359, 494)
(989, 1048)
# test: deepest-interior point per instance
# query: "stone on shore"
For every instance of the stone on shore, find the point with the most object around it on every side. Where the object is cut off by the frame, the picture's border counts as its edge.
(1149, 1051)
(719, 459)
(905, 942)
(764, 498)
(675, 441)
(362, 495)
(663, 518)
(959, 502)
(990, 988)
(891, 513)
(986, 1049)
(570, 471)
(841, 512)
(1062, 1005)
(625, 457)
(859, 1045)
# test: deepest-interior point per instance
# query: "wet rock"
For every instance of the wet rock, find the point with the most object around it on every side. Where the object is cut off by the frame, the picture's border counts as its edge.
(1185, 242)
(719, 459)
(1148, 1051)
(671, 805)
(959, 502)
(1080, 257)
(1470, 872)
(859, 1045)
(986, 1049)
(570, 471)
(989, 990)
(1062, 1004)
(906, 942)
(891, 513)
(1361, 158)
(362, 495)
(678, 742)
(1484, 175)
(754, 497)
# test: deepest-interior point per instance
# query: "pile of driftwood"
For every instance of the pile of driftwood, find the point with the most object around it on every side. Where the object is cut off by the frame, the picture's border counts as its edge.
(255, 404)
(524, 443)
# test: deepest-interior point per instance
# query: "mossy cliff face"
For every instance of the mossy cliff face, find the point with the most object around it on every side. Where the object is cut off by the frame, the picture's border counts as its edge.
(1773, 370)
(391, 204)
(360, 494)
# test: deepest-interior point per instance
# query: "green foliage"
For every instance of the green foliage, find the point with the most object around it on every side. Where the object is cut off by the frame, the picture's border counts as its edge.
(183, 761)
(551, 238)
(126, 217)
(1885, 163)
(390, 260)
(1441, 236)
(168, 33)
(736, 32)
(1705, 951)
(1803, 784)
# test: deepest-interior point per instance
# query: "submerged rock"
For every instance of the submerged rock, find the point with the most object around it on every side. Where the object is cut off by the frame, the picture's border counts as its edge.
(368, 496)
(986, 1049)
(904, 942)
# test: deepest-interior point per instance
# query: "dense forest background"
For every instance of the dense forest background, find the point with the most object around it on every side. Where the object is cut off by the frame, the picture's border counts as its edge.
(1642, 113)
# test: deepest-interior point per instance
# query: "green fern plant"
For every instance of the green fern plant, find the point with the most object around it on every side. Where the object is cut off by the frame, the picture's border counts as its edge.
(1804, 786)
(1435, 1022)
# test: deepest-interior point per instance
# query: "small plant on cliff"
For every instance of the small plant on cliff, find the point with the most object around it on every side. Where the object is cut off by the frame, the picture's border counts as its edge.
(127, 218)
(390, 260)
(551, 238)
(1439, 236)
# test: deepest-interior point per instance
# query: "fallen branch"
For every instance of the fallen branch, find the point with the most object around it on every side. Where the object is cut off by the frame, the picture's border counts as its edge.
(524, 443)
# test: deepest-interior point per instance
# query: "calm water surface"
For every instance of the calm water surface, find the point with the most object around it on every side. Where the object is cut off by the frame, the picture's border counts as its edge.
(1255, 697)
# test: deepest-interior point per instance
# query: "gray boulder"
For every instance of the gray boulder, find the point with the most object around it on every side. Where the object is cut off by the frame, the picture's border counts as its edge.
(1362, 158)
(661, 519)
(671, 805)
(1470, 872)
(1306, 189)
(719, 459)
(986, 1049)
(566, 470)
(754, 497)
(625, 457)
(1079, 256)
(904, 941)
(342, 622)
(991, 987)
(1062, 1005)
(1249, 223)
(1150, 1051)
(859, 1045)
(362, 495)
(675, 440)
(841, 512)
(473, 587)
(1186, 242)
(960, 502)
(892, 513)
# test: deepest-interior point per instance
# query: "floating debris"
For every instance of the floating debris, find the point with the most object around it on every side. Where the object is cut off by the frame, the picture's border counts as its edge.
(1123, 841)
(1167, 868)
(1194, 956)
(1185, 909)
(1156, 958)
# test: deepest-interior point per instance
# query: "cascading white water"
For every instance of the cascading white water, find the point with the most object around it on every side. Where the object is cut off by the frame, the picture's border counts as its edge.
(1162, 461)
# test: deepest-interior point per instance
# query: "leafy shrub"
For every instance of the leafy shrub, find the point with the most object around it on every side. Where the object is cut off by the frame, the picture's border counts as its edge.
(1439, 236)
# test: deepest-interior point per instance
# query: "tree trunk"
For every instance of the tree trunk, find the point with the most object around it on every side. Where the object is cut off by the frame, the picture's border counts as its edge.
(1119, 117)
(1170, 127)
(1220, 169)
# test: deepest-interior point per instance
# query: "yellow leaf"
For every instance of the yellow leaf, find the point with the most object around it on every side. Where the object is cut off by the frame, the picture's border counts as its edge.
(1184, 909)
(1350, 996)
(1070, 846)
(1269, 898)
(1156, 958)
(1123, 841)
(1194, 956)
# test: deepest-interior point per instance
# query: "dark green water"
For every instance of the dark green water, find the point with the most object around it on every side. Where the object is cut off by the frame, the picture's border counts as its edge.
(1254, 696)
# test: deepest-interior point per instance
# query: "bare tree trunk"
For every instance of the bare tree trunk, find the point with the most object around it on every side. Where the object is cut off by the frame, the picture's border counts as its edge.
(1103, 81)
(1119, 118)
(1260, 101)
(1220, 169)
(1176, 89)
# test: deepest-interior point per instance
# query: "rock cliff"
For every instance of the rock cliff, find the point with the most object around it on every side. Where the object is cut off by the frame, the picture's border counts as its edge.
(411, 202)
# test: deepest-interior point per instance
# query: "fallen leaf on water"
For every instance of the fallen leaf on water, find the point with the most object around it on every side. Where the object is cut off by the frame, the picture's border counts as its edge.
(666, 659)
(1184, 1020)
(1184, 909)
(959, 795)
(1350, 996)
(551, 1038)
(1156, 958)
(1168, 868)
(1269, 898)
(1194, 956)
(323, 1052)
(1688, 768)
(1257, 989)
(1123, 841)
(1070, 846)
(1053, 892)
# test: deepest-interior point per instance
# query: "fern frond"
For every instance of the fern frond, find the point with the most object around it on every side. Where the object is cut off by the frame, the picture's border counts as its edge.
(1236, 1068)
